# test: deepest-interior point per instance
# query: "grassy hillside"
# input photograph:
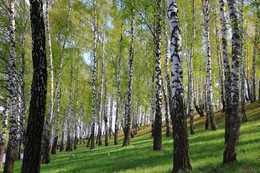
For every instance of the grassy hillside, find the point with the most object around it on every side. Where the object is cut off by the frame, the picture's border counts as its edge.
(206, 151)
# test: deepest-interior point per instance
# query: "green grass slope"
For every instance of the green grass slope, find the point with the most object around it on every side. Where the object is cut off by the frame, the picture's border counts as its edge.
(206, 151)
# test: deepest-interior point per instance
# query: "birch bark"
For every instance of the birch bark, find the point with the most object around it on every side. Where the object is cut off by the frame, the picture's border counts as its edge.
(232, 143)
(209, 106)
(130, 83)
(181, 158)
(13, 135)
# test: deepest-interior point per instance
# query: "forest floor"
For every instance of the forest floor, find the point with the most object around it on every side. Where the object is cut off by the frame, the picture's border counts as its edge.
(206, 151)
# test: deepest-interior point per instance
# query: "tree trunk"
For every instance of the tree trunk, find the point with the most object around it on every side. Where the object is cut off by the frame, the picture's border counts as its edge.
(34, 132)
(94, 82)
(70, 110)
(137, 116)
(111, 114)
(46, 132)
(167, 84)
(220, 62)
(150, 91)
(133, 117)
(157, 138)
(123, 114)
(199, 108)
(181, 158)
(105, 112)
(230, 152)
(76, 118)
(119, 78)
(209, 110)
(191, 76)
(12, 142)
(100, 97)
(62, 131)
(56, 134)
(152, 105)
(167, 111)
(227, 81)
(248, 88)
(130, 83)
(20, 86)
(3, 132)
(253, 72)
(242, 68)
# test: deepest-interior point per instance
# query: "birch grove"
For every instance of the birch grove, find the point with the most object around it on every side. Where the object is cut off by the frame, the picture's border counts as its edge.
(128, 74)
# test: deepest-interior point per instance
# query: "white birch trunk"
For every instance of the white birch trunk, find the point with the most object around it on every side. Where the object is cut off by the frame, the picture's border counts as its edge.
(242, 68)
(13, 135)
(181, 159)
(227, 81)
(230, 152)
(130, 82)
(3, 132)
(209, 110)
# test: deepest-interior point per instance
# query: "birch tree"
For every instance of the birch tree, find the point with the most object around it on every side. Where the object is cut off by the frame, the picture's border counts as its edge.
(70, 110)
(57, 124)
(3, 132)
(232, 143)
(157, 140)
(130, 82)
(168, 92)
(105, 111)
(191, 73)
(220, 61)
(209, 105)
(253, 71)
(46, 132)
(21, 84)
(242, 69)
(227, 81)
(111, 114)
(100, 96)
(119, 77)
(12, 141)
(181, 158)
(63, 131)
(94, 80)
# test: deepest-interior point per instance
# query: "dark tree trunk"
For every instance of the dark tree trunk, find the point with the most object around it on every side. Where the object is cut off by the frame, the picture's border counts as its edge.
(34, 132)
(199, 110)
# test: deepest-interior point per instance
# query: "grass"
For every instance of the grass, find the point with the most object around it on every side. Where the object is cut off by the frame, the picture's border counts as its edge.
(206, 151)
